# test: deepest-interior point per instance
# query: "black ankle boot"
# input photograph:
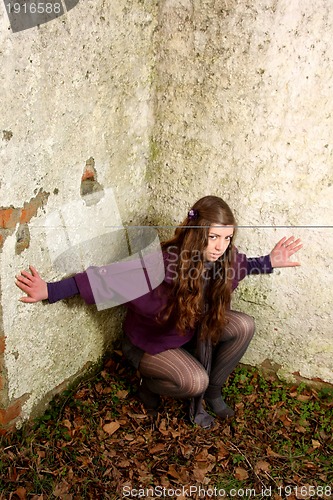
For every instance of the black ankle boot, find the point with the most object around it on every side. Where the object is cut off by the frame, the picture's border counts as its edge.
(220, 407)
(150, 400)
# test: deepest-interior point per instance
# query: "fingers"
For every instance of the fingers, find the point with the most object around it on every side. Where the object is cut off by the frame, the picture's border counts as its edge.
(295, 249)
(291, 264)
(290, 244)
(25, 282)
(23, 279)
(34, 271)
(281, 242)
(290, 241)
(31, 284)
(26, 277)
(22, 286)
(32, 274)
(28, 300)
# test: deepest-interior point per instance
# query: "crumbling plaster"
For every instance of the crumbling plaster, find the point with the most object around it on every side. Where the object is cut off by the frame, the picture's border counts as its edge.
(74, 89)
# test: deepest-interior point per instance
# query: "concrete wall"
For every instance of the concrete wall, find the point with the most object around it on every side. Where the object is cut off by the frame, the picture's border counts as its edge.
(76, 118)
(244, 110)
(149, 106)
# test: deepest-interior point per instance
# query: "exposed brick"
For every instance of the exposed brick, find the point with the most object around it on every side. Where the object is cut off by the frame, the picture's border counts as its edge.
(89, 183)
(2, 382)
(2, 363)
(9, 217)
(9, 414)
(2, 344)
(31, 207)
(88, 174)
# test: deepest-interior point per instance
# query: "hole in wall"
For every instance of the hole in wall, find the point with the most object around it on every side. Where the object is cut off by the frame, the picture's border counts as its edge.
(91, 190)
(22, 238)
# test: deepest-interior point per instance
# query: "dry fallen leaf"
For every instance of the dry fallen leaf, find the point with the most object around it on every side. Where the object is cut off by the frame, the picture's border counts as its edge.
(173, 472)
(186, 450)
(300, 429)
(21, 493)
(124, 463)
(61, 489)
(199, 474)
(156, 449)
(285, 420)
(241, 474)
(111, 427)
(162, 428)
(222, 453)
(261, 465)
(303, 397)
(202, 456)
(67, 424)
(271, 453)
(140, 416)
(129, 437)
(121, 394)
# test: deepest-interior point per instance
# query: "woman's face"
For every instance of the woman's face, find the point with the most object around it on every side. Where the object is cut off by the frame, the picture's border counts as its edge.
(219, 238)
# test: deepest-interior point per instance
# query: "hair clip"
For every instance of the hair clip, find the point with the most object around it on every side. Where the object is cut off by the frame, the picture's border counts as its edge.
(193, 214)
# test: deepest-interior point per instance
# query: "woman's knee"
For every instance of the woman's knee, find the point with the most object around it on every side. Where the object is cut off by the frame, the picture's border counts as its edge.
(240, 325)
(249, 326)
(242, 322)
(196, 383)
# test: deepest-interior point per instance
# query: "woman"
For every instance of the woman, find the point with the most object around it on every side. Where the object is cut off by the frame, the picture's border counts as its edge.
(182, 336)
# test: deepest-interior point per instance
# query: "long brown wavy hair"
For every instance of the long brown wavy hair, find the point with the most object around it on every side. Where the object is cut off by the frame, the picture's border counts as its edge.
(199, 294)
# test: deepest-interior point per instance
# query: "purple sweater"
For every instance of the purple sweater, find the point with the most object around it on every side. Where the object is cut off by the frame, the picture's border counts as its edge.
(140, 324)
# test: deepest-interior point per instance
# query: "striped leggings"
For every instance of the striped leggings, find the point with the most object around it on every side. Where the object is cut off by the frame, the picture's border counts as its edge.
(177, 373)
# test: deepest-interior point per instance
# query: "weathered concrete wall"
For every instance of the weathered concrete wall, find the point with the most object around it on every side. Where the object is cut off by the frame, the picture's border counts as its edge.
(76, 117)
(150, 106)
(244, 111)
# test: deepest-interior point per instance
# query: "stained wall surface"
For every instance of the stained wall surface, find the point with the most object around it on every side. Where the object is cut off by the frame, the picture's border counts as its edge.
(244, 111)
(76, 117)
(127, 112)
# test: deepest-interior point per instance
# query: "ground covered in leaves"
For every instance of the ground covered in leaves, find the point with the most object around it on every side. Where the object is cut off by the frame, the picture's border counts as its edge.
(98, 442)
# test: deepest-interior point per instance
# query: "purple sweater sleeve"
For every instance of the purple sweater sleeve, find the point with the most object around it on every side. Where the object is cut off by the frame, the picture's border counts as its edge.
(62, 289)
(78, 284)
(244, 266)
(259, 265)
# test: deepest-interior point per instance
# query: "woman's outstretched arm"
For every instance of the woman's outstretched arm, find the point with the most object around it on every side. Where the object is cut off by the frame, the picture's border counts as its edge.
(279, 257)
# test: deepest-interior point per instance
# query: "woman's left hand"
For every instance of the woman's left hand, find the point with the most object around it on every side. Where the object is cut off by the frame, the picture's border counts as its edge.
(283, 250)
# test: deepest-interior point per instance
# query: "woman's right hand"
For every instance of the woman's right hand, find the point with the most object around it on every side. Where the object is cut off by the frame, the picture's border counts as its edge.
(33, 285)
